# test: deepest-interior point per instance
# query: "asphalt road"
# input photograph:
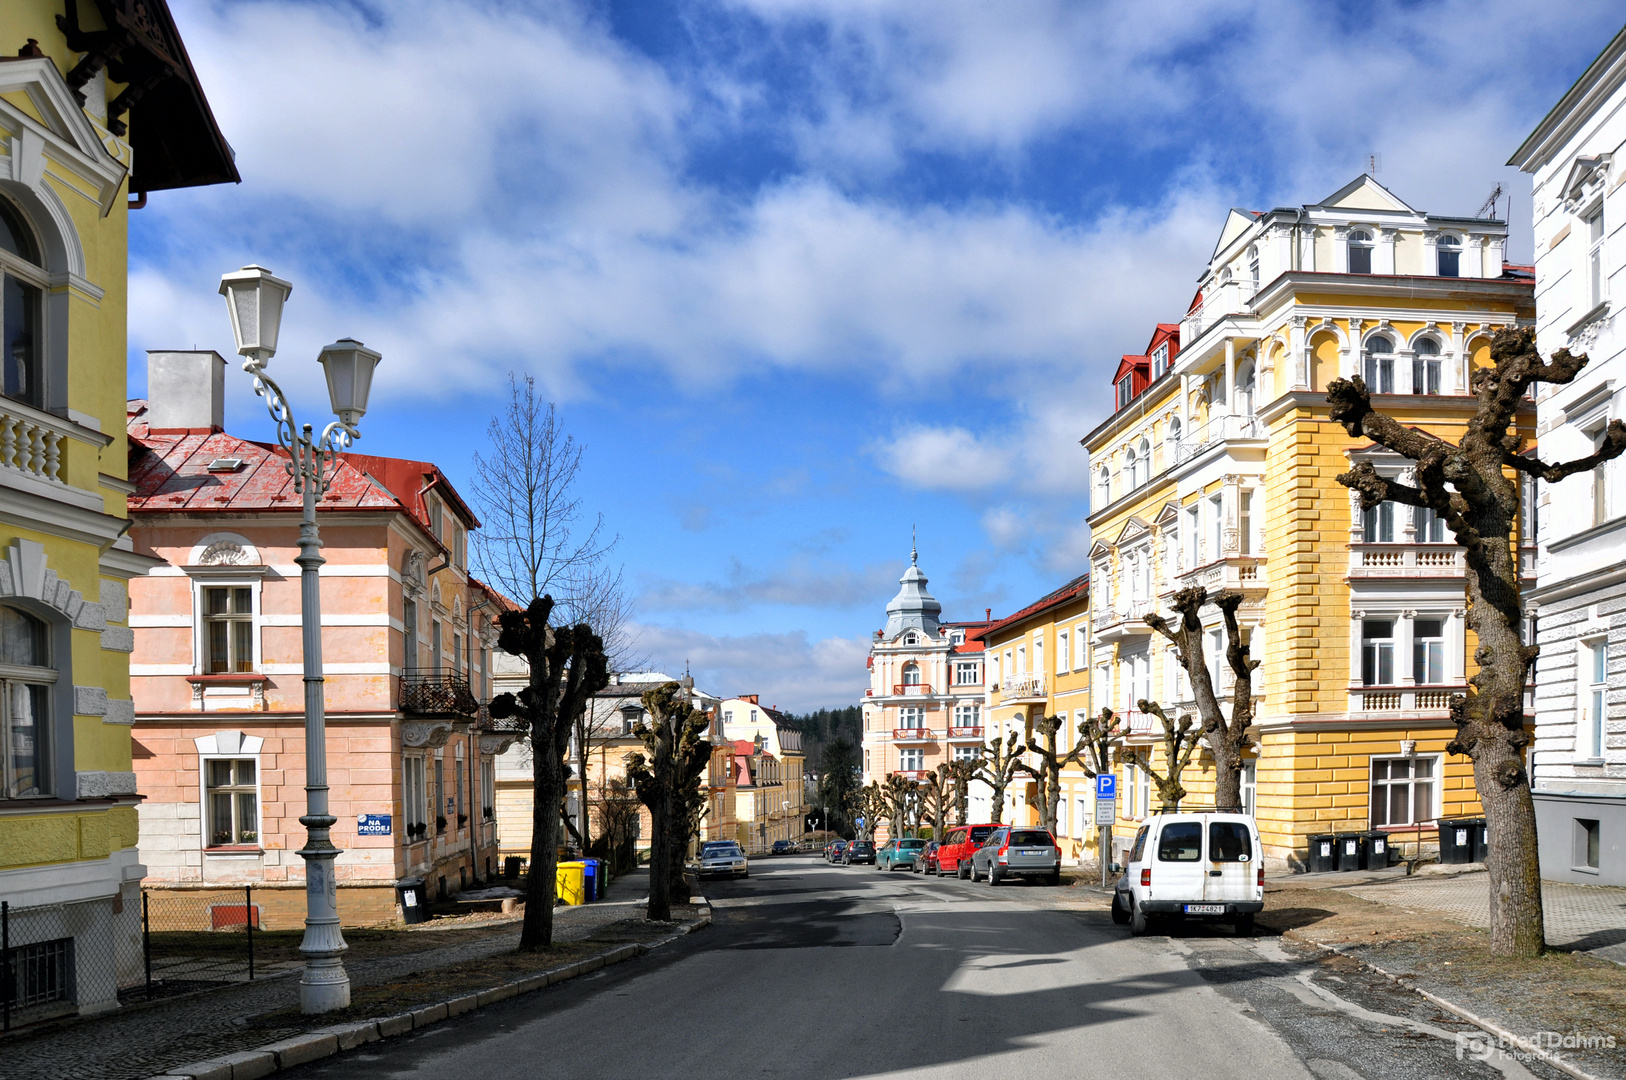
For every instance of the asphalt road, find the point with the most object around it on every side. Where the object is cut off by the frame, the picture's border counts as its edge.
(813, 971)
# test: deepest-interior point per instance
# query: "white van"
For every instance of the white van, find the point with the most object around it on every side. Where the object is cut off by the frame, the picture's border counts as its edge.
(1207, 867)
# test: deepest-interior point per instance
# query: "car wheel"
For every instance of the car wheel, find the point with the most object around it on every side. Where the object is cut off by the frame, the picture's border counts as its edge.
(1055, 877)
(1120, 910)
(1137, 918)
(1244, 925)
(960, 870)
(993, 875)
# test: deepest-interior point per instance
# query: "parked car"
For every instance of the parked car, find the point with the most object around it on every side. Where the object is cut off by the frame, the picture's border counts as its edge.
(835, 850)
(859, 851)
(1012, 852)
(929, 859)
(906, 853)
(1204, 867)
(954, 857)
(724, 859)
(782, 847)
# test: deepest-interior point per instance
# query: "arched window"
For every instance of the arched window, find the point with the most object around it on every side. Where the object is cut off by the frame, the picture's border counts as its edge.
(22, 294)
(1378, 365)
(1172, 437)
(1145, 463)
(1132, 468)
(911, 674)
(1245, 388)
(1425, 366)
(1449, 250)
(911, 638)
(25, 706)
(1253, 266)
(1360, 251)
(1103, 486)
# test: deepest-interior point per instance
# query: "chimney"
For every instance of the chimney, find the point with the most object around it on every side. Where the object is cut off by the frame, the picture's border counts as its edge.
(186, 392)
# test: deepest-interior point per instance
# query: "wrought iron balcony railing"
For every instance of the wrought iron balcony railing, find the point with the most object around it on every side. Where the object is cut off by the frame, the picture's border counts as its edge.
(437, 692)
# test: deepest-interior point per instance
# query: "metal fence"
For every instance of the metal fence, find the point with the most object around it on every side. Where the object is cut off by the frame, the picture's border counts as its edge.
(61, 959)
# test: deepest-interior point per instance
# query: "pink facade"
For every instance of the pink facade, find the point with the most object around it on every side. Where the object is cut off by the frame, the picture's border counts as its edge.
(218, 685)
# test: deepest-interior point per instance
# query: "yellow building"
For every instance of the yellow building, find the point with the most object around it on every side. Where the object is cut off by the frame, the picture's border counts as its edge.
(75, 125)
(1218, 469)
(769, 802)
(1038, 664)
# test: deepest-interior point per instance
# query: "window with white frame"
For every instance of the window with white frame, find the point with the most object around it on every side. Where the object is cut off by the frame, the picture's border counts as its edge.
(963, 752)
(1038, 653)
(1217, 667)
(1080, 654)
(1360, 251)
(1425, 366)
(1430, 527)
(1021, 660)
(1448, 256)
(228, 620)
(911, 717)
(437, 524)
(1063, 641)
(1600, 475)
(1428, 651)
(1140, 788)
(1145, 473)
(911, 677)
(1172, 437)
(1595, 653)
(232, 800)
(912, 759)
(1378, 523)
(488, 790)
(26, 678)
(965, 673)
(414, 798)
(1126, 390)
(1595, 277)
(1103, 487)
(1132, 468)
(1253, 267)
(1403, 791)
(1216, 526)
(1250, 787)
(1193, 536)
(22, 355)
(967, 715)
(1378, 364)
(1377, 652)
(1101, 686)
(1081, 815)
(1160, 360)
(1244, 520)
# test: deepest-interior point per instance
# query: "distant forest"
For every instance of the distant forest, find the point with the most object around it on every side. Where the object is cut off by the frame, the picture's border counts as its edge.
(823, 726)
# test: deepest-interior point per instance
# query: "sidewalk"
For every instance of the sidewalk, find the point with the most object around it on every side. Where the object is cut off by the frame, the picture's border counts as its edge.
(148, 1039)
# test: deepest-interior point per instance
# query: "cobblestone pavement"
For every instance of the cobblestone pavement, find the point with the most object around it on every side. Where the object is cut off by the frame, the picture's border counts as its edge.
(144, 1041)
(1579, 917)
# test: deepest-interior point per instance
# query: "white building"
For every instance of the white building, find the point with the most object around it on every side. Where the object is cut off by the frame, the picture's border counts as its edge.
(1580, 749)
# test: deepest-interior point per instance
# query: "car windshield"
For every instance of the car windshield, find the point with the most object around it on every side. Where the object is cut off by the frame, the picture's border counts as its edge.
(723, 852)
(1182, 841)
(1228, 841)
(1030, 837)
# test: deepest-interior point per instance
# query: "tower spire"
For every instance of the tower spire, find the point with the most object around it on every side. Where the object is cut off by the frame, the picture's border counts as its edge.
(914, 555)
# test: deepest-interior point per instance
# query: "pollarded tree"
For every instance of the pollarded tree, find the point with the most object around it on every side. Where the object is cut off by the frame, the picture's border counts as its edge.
(1474, 487)
(1179, 742)
(1227, 736)
(664, 777)
(937, 792)
(961, 772)
(998, 766)
(567, 667)
(1098, 735)
(898, 792)
(872, 806)
(1047, 773)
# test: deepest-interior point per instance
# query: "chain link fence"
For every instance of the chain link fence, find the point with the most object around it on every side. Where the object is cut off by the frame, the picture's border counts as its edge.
(62, 959)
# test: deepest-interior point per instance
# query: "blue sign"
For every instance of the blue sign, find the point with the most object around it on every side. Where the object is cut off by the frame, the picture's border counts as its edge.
(1106, 786)
(372, 824)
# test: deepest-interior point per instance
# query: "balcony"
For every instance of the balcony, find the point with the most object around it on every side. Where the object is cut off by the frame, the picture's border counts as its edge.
(911, 689)
(1023, 686)
(1219, 429)
(437, 692)
(1405, 561)
(1128, 621)
(912, 774)
(914, 735)
(964, 734)
(1244, 573)
(1375, 701)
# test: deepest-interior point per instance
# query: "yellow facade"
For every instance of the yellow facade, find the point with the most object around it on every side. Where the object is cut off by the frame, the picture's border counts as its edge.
(68, 837)
(1222, 473)
(1038, 666)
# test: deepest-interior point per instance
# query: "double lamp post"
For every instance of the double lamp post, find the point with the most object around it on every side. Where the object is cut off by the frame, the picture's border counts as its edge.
(255, 298)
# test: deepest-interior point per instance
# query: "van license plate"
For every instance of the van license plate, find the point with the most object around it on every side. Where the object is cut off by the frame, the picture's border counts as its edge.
(1205, 909)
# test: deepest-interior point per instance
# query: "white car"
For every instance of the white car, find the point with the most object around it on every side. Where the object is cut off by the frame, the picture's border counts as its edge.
(723, 860)
(1204, 867)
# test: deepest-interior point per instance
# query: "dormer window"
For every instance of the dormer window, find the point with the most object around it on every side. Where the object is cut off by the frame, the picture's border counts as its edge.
(1360, 252)
(958, 637)
(1126, 390)
(1449, 255)
(1160, 360)
(911, 638)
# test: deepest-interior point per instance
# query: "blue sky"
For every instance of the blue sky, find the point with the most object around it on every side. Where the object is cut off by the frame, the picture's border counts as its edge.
(800, 273)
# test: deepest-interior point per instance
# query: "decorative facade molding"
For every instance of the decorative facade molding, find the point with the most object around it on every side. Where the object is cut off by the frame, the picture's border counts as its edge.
(24, 573)
(426, 734)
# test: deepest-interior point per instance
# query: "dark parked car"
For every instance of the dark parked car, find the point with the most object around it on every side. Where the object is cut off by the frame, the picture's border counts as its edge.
(835, 850)
(859, 851)
(782, 847)
(930, 858)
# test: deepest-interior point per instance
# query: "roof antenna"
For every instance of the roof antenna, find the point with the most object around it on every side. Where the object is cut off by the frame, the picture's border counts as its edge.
(914, 555)
(1488, 209)
(1373, 163)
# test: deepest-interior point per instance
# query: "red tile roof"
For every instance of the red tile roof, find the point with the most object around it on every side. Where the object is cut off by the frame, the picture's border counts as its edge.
(1070, 591)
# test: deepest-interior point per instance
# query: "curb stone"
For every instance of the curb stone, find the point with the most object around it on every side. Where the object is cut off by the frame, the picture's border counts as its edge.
(1487, 1026)
(325, 1042)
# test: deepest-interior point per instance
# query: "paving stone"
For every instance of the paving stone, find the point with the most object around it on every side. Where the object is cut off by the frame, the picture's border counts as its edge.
(497, 993)
(457, 1006)
(351, 1036)
(251, 1064)
(302, 1048)
(399, 1024)
(429, 1014)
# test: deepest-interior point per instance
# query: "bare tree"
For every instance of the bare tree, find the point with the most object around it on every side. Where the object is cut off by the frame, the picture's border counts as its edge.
(1098, 735)
(1179, 742)
(872, 806)
(674, 738)
(999, 764)
(897, 791)
(1227, 736)
(617, 806)
(961, 773)
(524, 490)
(1047, 773)
(1473, 486)
(936, 793)
(567, 668)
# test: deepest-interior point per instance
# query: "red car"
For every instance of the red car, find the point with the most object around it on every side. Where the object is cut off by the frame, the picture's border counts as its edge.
(954, 857)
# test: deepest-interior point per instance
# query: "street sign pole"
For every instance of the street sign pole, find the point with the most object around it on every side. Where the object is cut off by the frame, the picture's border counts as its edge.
(1106, 811)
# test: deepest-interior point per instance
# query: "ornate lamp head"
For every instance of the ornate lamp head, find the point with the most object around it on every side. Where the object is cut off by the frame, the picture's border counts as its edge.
(349, 365)
(255, 296)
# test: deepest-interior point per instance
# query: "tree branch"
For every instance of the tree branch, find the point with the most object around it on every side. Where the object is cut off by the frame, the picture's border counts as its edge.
(1614, 444)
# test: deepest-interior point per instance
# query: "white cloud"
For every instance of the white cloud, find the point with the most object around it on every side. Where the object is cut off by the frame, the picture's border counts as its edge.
(944, 459)
(790, 671)
(798, 582)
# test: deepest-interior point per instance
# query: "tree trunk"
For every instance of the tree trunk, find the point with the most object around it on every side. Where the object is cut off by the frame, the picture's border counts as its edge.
(547, 789)
(660, 864)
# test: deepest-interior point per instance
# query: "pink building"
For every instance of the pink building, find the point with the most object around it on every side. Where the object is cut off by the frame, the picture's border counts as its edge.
(216, 674)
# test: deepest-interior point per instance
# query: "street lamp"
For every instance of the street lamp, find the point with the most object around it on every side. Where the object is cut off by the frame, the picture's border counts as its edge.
(255, 296)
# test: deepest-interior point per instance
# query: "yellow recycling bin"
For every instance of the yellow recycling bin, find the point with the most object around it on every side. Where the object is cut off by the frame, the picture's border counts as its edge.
(568, 882)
